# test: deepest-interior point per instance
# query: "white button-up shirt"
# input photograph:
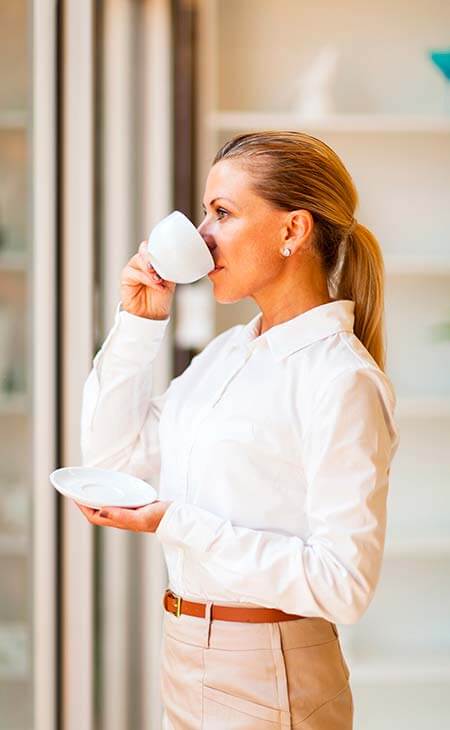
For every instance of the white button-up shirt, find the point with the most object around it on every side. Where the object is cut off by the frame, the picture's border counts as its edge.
(275, 450)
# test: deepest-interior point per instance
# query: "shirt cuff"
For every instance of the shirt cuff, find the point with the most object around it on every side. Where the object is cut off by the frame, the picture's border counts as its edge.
(186, 525)
(135, 338)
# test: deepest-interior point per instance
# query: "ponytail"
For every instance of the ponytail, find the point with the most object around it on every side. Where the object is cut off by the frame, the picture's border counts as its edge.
(361, 279)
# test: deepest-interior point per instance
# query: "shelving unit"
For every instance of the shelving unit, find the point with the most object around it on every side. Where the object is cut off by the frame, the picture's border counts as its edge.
(391, 129)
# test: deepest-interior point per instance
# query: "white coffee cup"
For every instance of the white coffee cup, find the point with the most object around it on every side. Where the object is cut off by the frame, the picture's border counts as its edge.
(177, 251)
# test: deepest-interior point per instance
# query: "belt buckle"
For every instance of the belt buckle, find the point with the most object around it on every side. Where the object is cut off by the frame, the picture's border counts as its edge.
(177, 610)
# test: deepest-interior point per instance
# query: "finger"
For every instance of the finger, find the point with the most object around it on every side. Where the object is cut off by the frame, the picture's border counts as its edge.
(93, 516)
(126, 519)
(139, 276)
(148, 269)
(143, 248)
(122, 519)
(141, 262)
(140, 259)
(88, 511)
(145, 258)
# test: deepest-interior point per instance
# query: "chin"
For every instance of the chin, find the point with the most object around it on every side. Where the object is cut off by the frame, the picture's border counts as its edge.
(228, 297)
(223, 299)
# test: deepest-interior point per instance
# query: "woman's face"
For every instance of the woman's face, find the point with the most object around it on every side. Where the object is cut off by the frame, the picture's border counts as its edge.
(243, 232)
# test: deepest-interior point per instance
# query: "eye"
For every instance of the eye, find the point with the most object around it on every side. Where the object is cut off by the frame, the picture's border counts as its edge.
(222, 210)
(219, 210)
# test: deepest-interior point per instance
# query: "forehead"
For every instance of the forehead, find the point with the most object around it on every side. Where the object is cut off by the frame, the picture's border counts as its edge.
(228, 178)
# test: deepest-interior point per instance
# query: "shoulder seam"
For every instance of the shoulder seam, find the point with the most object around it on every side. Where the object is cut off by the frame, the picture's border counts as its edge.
(348, 371)
(363, 363)
(364, 366)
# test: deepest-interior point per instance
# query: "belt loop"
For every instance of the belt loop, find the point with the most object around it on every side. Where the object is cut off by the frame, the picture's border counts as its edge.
(208, 611)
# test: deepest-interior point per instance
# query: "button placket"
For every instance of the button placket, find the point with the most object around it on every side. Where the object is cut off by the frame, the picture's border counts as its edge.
(206, 412)
(231, 378)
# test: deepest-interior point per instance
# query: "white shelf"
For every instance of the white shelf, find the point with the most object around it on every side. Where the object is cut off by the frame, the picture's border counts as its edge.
(417, 670)
(424, 407)
(416, 265)
(13, 261)
(378, 123)
(14, 119)
(423, 547)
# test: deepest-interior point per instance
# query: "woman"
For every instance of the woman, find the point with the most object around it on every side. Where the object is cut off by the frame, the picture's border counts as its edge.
(273, 448)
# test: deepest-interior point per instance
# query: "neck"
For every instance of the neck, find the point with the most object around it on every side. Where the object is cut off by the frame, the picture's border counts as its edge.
(287, 308)
(297, 290)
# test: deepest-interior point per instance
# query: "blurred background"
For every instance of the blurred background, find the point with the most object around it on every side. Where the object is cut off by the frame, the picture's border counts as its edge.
(110, 114)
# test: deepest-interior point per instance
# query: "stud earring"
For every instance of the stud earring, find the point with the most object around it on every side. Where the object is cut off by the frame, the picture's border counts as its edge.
(286, 251)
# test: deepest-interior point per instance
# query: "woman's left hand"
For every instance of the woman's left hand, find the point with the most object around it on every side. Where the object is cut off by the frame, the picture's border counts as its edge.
(140, 519)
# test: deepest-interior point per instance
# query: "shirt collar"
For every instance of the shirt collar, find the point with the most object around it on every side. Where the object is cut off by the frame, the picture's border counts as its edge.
(300, 331)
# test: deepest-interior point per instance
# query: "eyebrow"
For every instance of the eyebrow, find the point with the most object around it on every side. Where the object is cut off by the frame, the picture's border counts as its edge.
(220, 197)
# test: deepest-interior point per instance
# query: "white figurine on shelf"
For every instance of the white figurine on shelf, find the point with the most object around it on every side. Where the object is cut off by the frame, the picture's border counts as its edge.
(313, 93)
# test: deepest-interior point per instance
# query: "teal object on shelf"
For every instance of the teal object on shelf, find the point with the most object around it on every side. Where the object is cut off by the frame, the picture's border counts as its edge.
(442, 61)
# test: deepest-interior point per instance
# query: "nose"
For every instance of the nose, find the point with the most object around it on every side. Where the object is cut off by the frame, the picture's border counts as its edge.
(201, 230)
(207, 239)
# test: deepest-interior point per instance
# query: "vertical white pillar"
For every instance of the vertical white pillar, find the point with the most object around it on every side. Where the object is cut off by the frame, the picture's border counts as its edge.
(77, 344)
(44, 345)
(156, 202)
(118, 188)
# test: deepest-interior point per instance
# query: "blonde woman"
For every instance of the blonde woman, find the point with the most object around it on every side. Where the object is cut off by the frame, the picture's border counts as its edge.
(273, 448)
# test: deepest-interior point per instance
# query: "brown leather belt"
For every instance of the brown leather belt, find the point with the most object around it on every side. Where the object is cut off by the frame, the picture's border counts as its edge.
(178, 605)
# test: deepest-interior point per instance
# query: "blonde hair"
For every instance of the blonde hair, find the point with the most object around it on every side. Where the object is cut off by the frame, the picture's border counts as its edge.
(293, 170)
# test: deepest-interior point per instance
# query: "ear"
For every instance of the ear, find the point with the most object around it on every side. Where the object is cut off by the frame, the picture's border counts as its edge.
(298, 227)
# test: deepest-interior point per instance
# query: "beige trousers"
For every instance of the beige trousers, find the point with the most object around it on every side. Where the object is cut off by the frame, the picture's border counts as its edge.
(226, 675)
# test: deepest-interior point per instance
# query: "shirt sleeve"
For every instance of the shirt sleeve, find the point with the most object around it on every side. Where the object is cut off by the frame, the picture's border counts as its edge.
(351, 440)
(119, 415)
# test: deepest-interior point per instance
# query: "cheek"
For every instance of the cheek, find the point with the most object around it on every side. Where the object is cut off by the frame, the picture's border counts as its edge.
(249, 245)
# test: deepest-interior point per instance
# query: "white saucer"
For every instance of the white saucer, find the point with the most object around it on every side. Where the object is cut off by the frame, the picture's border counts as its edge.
(102, 487)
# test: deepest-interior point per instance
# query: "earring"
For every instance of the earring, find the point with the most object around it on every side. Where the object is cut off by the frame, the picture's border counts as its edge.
(286, 251)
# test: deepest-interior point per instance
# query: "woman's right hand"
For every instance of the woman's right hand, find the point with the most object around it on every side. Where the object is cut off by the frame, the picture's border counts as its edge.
(142, 291)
